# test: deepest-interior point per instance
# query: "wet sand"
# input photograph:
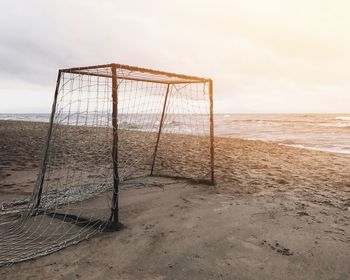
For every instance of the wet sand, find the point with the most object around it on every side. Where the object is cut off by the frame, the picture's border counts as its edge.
(276, 212)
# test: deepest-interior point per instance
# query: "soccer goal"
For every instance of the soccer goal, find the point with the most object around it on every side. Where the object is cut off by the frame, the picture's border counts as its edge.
(112, 123)
(112, 126)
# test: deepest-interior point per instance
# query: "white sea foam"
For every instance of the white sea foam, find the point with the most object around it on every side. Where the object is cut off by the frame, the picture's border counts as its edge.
(343, 118)
(322, 149)
(338, 124)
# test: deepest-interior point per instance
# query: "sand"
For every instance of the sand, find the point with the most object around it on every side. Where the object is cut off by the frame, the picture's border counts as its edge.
(276, 212)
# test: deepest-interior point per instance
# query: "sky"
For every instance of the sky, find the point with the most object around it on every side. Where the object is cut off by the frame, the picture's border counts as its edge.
(282, 56)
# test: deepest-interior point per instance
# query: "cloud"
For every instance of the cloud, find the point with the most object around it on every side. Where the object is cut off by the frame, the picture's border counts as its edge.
(265, 55)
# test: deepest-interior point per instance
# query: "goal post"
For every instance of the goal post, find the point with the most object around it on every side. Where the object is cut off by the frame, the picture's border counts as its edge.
(114, 218)
(39, 184)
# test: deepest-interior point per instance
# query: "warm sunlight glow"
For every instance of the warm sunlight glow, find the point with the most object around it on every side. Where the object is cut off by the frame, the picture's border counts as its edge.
(265, 56)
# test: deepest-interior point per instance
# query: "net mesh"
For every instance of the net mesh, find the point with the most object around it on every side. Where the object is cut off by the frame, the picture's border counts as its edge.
(163, 130)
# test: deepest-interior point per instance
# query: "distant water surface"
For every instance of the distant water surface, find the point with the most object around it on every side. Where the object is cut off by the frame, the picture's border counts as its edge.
(324, 132)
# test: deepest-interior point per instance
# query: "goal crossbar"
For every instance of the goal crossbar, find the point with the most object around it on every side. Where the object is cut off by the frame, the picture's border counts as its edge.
(128, 72)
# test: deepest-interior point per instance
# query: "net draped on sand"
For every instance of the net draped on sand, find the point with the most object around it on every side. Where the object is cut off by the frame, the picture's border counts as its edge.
(159, 117)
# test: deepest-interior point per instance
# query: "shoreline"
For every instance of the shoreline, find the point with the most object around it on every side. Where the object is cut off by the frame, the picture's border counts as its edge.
(296, 145)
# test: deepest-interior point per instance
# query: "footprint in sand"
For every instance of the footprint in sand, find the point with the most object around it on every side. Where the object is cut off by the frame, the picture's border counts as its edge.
(275, 246)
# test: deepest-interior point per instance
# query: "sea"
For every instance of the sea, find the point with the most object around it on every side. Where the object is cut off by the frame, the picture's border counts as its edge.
(322, 132)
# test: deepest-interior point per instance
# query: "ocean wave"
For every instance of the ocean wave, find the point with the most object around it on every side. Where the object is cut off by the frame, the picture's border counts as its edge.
(288, 142)
(343, 118)
(340, 125)
(44, 117)
(337, 150)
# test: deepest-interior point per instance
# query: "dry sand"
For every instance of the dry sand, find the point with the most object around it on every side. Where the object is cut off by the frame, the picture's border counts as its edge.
(276, 213)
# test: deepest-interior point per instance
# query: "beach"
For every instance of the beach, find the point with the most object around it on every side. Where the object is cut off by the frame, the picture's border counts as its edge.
(276, 212)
